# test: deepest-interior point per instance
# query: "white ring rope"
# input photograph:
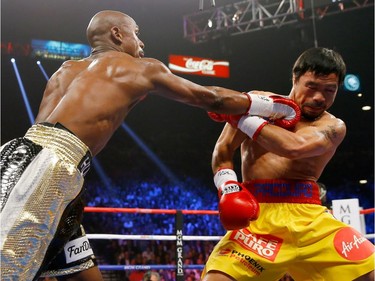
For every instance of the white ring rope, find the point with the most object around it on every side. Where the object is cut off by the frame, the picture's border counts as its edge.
(152, 237)
(169, 237)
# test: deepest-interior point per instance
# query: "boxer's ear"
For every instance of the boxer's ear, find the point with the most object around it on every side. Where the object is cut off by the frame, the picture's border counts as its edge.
(116, 34)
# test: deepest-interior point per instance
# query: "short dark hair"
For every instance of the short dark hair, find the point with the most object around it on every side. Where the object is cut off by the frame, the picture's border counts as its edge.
(320, 61)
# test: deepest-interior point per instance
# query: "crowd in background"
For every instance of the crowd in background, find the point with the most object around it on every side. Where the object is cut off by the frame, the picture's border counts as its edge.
(189, 194)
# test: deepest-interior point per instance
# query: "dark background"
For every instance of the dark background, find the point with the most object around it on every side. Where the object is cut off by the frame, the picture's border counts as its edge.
(181, 136)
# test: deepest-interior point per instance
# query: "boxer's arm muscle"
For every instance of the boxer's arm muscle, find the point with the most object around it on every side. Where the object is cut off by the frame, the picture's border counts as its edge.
(306, 142)
(228, 142)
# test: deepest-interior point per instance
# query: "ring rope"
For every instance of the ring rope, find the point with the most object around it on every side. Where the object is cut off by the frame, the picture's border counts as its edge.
(165, 237)
(168, 237)
(171, 211)
(149, 267)
(147, 211)
(152, 237)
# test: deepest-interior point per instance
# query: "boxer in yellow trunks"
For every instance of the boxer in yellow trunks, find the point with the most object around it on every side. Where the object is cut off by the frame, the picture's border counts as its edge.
(275, 221)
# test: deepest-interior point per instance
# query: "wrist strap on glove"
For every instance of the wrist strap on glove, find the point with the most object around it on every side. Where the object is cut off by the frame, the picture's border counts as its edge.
(224, 175)
(260, 105)
(251, 125)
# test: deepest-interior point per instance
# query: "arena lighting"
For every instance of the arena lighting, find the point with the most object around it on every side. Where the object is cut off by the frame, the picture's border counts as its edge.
(42, 69)
(102, 175)
(23, 92)
(352, 83)
(150, 154)
(200, 7)
(244, 16)
(98, 168)
(209, 23)
(366, 108)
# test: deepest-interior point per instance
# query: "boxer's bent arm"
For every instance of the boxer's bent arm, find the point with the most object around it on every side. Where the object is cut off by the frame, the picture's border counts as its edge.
(306, 142)
(228, 142)
(173, 87)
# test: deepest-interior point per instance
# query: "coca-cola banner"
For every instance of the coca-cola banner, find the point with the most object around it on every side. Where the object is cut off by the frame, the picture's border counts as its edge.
(198, 66)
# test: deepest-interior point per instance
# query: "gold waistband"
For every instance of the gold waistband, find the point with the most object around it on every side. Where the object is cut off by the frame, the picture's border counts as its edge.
(65, 144)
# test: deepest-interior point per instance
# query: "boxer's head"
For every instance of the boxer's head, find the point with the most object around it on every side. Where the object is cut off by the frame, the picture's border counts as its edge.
(321, 62)
(115, 30)
(317, 75)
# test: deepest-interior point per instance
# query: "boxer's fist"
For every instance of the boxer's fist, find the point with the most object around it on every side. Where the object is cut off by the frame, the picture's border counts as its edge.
(237, 206)
(289, 108)
(283, 111)
(231, 119)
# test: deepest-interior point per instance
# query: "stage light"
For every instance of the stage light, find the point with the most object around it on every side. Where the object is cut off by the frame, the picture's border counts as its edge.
(235, 18)
(167, 172)
(23, 92)
(366, 108)
(42, 69)
(352, 83)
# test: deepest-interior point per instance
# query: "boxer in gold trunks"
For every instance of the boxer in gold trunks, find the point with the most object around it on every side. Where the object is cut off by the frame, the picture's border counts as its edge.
(274, 218)
(84, 102)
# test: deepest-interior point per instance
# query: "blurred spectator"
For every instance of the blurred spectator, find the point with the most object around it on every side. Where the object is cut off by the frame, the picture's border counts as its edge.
(151, 276)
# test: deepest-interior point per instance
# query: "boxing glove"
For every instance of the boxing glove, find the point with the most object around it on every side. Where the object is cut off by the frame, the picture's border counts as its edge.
(237, 206)
(284, 112)
(281, 111)
(231, 119)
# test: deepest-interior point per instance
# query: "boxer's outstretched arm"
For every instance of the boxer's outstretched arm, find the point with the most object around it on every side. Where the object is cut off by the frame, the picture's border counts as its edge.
(171, 86)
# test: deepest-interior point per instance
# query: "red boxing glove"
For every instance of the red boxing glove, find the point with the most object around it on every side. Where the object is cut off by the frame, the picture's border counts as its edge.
(284, 112)
(231, 119)
(237, 206)
(292, 111)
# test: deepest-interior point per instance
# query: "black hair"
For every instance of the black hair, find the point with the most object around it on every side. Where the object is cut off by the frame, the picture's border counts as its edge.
(320, 61)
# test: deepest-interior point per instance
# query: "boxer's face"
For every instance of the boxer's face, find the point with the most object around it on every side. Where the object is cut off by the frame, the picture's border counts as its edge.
(131, 43)
(315, 93)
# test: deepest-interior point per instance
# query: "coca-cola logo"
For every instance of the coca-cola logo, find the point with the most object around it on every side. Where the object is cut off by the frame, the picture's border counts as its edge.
(199, 66)
(203, 65)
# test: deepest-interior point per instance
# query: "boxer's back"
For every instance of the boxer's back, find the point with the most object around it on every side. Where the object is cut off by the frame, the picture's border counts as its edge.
(91, 97)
